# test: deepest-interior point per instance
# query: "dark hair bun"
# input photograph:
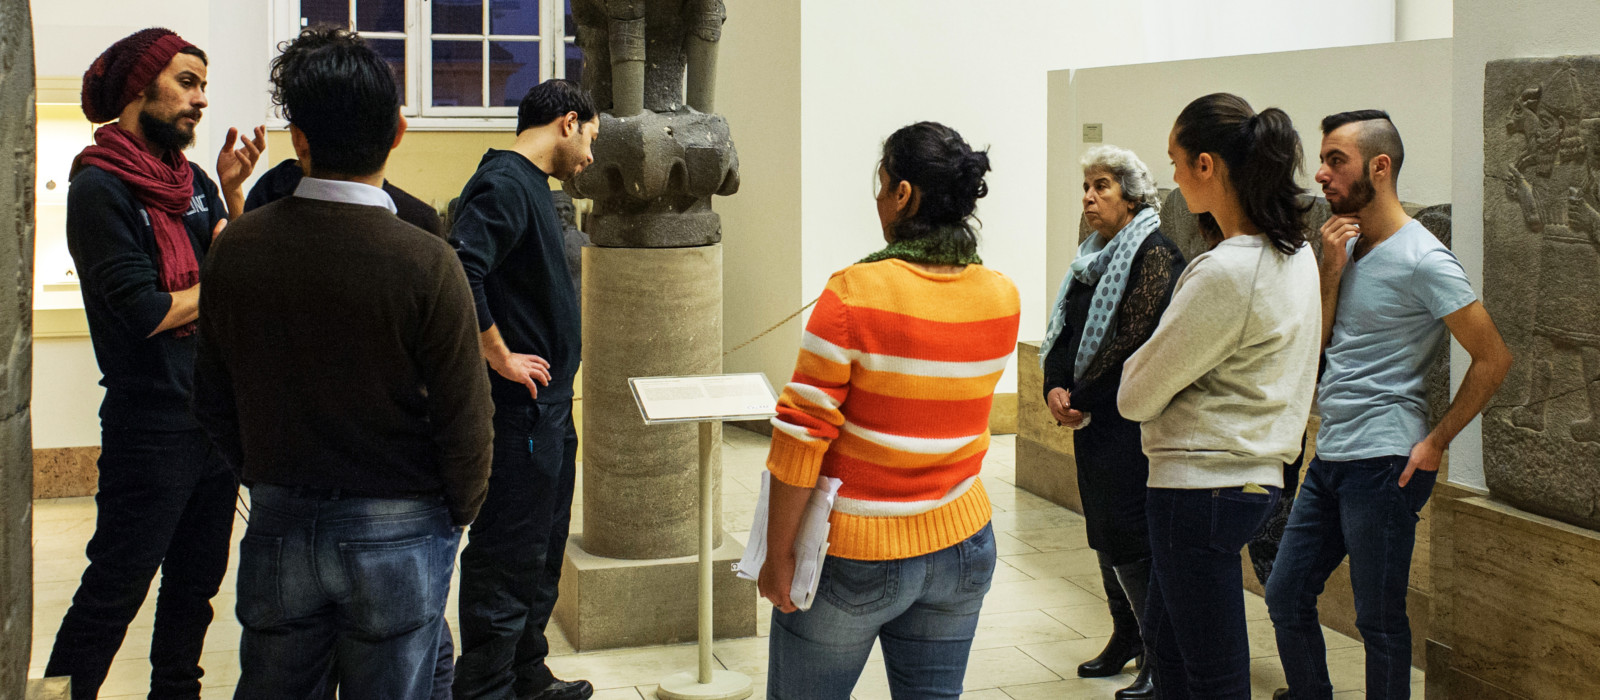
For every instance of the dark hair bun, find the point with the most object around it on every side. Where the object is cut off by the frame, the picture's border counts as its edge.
(973, 168)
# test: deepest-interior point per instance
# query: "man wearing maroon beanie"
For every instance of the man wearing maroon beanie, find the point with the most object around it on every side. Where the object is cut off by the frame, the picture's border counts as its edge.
(140, 218)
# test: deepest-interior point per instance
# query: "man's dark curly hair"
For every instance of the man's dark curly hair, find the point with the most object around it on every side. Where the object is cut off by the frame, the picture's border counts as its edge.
(342, 96)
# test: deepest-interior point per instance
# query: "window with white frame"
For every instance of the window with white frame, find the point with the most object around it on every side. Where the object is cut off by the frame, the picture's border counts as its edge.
(455, 58)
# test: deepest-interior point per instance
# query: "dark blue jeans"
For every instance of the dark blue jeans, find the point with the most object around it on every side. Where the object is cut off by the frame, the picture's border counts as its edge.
(348, 590)
(1194, 621)
(511, 566)
(922, 610)
(1356, 508)
(166, 502)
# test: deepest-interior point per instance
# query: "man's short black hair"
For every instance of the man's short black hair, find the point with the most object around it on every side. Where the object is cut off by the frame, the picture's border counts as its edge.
(551, 100)
(342, 96)
(1377, 135)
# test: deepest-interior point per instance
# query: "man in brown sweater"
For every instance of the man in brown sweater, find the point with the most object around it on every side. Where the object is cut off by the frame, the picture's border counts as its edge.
(339, 372)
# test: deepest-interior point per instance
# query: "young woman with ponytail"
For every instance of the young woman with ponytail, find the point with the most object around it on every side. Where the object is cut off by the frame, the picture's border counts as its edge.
(891, 395)
(1223, 388)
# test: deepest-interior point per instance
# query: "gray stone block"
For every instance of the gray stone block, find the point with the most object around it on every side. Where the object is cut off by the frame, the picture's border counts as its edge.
(1541, 223)
(609, 603)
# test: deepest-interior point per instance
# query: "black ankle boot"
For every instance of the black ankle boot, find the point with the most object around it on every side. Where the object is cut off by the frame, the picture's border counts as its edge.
(1118, 652)
(1143, 688)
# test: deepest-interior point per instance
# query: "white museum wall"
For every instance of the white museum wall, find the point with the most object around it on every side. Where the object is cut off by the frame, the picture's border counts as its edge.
(1486, 31)
(1415, 20)
(1137, 104)
(869, 68)
(758, 90)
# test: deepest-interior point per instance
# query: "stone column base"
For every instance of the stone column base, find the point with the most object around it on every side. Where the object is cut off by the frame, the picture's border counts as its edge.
(609, 603)
(49, 688)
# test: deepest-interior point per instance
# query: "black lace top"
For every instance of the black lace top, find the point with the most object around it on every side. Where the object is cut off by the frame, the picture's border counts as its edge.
(1154, 274)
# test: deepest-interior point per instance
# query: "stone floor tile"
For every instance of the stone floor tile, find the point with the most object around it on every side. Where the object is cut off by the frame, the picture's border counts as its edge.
(747, 656)
(1034, 595)
(1064, 563)
(624, 668)
(1093, 620)
(1019, 628)
(1004, 572)
(1055, 539)
(1006, 544)
(1070, 689)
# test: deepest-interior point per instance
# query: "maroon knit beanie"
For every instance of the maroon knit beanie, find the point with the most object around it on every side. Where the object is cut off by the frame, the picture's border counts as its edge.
(116, 77)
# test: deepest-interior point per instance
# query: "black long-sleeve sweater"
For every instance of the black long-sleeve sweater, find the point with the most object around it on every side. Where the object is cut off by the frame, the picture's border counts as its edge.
(339, 350)
(511, 245)
(1151, 278)
(147, 378)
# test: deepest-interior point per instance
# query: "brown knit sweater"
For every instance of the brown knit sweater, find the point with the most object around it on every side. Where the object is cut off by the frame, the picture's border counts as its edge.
(339, 350)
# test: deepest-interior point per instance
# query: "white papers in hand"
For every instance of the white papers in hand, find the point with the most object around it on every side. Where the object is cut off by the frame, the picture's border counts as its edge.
(810, 543)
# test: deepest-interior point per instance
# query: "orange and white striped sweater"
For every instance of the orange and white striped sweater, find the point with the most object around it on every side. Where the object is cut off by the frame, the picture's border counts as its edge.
(891, 395)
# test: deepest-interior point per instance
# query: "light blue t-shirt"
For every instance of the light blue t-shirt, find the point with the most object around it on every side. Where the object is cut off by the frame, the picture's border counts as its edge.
(1386, 334)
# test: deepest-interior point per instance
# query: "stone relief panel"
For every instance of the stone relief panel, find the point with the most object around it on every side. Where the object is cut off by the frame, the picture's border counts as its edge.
(1541, 222)
(17, 140)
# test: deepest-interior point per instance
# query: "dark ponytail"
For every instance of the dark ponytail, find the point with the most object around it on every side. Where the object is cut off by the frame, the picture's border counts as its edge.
(950, 178)
(1263, 155)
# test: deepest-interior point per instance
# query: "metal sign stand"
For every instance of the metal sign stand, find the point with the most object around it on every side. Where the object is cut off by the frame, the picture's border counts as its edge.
(707, 682)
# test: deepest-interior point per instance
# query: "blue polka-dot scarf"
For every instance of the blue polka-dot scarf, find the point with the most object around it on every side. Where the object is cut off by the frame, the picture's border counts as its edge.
(1105, 266)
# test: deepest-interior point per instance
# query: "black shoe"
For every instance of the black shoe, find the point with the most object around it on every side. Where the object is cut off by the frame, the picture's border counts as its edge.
(1110, 662)
(1143, 688)
(563, 690)
(1282, 694)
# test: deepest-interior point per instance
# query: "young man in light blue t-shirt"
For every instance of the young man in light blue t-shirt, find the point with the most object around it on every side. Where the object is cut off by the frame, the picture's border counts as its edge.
(1390, 292)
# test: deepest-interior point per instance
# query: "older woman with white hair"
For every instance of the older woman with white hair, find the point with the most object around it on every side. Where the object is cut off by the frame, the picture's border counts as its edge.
(1109, 304)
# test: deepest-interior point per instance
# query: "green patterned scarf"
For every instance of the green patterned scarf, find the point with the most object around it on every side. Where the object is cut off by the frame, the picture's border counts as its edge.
(928, 250)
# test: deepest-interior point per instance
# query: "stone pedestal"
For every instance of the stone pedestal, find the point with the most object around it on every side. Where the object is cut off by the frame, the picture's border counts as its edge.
(1524, 615)
(17, 141)
(630, 576)
(1046, 466)
(609, 603)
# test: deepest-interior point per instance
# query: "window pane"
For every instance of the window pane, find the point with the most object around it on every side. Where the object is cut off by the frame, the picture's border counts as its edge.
(513, 71)
(336, 12)
(572, 25)
(457, 16)
(380, 15)
(393, 52)
(457, 73)
(514, 17)
(574, 63)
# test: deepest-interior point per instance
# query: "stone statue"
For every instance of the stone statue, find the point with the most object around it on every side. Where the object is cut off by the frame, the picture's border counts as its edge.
(1183, 228)
(661, 157)
(652, 306)
(16, 328)
(1541, 217)
(573, 238)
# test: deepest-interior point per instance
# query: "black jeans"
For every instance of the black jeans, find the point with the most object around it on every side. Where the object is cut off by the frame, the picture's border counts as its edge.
(511, 566)
(1194, 620)
(166, 502)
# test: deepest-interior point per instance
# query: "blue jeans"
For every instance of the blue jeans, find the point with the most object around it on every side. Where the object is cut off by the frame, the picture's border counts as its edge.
(924, 609)
(347, 590)
(1356, 508)
(1195, 634)
(511, 566)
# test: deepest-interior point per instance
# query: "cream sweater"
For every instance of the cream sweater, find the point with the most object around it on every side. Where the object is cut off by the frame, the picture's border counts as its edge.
(1224, 386)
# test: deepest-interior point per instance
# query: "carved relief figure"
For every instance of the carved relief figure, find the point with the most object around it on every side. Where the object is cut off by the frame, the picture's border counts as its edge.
(663, 156)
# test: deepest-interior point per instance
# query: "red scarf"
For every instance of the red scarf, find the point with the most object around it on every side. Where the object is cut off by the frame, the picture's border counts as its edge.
(165, 186)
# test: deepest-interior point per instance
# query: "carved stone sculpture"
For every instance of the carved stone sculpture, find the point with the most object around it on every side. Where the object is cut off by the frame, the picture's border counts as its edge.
(16, 328)
(660, 157)
(573, 238)
(652, 306)
(1541, 128)
(1182, 227)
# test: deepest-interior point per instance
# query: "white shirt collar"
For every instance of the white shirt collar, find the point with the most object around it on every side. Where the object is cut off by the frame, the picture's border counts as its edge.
(344, 191)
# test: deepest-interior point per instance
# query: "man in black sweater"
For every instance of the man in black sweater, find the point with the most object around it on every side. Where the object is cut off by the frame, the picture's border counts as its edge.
(339, 371)
(140, 220)
(510, 242)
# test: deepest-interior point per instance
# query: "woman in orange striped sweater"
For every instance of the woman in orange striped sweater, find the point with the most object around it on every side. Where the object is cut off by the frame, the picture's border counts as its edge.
(891, 395)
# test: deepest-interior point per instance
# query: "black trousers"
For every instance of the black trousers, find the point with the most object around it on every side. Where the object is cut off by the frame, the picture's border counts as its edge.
(511, 566)
(1112, 475)
(166, 502)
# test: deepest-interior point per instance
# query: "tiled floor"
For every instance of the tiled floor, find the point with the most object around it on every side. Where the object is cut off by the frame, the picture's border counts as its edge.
(1044, 615)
